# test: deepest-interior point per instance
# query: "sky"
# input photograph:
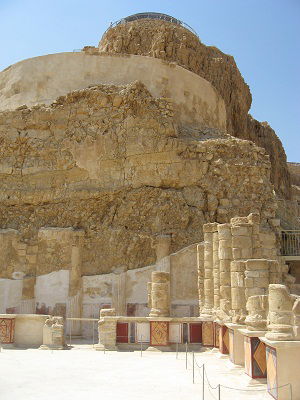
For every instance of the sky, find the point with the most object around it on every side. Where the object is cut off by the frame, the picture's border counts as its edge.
(262, 36)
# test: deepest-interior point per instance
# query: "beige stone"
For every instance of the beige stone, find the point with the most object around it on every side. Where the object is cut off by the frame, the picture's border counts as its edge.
(160, 294)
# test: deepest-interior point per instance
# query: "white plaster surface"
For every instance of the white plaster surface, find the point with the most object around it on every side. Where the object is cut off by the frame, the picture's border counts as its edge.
(10, 294)
(175, 331)
(85, 373)
(43, 79)
(143, 332)
(52, 288)
(136, 284)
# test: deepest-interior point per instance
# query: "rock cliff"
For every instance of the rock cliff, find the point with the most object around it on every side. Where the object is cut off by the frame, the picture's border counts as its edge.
(112, 162)
(176, 44)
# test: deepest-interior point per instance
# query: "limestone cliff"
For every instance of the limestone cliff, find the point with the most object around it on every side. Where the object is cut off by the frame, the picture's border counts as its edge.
(174, 43)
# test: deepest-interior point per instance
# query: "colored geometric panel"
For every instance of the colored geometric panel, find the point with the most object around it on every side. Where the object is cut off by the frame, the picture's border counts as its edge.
(159, 333)
(259, 359)
(223, 340)
(272, 371)
(248, 356)
(196, 333)
(207, 333)
(231, 344)
(7, 330)
(217, 334)
(122, 332)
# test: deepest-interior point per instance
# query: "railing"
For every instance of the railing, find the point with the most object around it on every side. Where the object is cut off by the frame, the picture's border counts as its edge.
(200, 375)
(152, 15)
(290, 245)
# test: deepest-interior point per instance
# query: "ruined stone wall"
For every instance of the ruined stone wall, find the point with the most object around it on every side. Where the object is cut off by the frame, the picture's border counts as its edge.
(113, 162)
(294, 169)
(161, 39)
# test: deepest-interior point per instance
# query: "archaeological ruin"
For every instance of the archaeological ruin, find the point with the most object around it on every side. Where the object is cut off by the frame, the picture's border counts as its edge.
(140, 198)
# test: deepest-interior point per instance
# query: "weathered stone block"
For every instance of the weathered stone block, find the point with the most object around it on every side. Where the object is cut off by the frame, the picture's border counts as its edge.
(225, 278)
(241, 230)
(236, 253)
(225, 253)
(224, 232)
(237, 279)
(241, 242)
(225, 265)
(255, 291)
(246, 253)
(248, 282)
(261, 282)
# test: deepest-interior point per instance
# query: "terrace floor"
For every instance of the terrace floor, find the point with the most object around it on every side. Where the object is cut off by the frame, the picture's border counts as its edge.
(83, 374)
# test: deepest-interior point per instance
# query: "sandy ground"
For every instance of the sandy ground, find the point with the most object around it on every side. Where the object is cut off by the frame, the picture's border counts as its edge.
(82, 373)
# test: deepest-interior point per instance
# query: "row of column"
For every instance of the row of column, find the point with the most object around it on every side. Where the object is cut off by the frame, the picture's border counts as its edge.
(231, 267)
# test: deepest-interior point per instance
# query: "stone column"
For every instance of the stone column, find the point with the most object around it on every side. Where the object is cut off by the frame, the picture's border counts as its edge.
(225, 258)
(53, 334)
(207, 311)
(257, 307)
(216, 267)
(296, 316)
(200, 268)
(256, 277)
(238, 298)
(163, 243)
(160, 294)
(74, 303)
(119, 293)
(281, 317)
(241, 231)
(107, 330)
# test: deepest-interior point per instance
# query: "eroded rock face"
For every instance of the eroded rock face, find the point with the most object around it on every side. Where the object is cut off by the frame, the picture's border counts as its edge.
(112, 162)
(161, 39)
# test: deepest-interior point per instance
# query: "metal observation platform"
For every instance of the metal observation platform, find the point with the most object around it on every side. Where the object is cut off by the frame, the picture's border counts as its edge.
(152, 15)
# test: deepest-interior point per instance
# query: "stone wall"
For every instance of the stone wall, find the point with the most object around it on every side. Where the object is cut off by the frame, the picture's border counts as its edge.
(112, 161)
(161, 39)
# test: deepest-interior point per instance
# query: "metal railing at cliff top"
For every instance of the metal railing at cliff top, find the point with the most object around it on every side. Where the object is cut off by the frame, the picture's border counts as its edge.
(290, 243)
(152, 15)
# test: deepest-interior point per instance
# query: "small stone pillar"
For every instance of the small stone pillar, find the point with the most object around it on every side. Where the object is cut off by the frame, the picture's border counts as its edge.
(280, 316)
(160, 294)
(107, 330)
(207, 311)
(200, 268)
(53, 334)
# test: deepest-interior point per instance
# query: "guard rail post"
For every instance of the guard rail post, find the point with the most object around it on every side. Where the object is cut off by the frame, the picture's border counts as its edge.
(186, 357)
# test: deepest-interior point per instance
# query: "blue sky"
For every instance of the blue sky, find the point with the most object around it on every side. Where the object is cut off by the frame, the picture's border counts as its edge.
(262, 35)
